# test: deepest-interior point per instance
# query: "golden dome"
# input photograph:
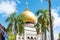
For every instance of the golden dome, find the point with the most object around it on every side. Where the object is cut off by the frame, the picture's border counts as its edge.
(30, 16)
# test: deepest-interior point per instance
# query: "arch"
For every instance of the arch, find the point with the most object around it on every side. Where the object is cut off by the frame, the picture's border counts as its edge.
(22, 37)
(18, 37)
(31, 37)
(28, 37)
(35, 38)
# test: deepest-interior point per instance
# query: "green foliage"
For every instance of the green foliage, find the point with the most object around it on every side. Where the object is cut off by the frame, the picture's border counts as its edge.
(59, 35)
(43, 19)
(9, 28)
(38, 12)
(18, 22)
(37, 27)
(11, 36)
(11, 19)
(21, 23)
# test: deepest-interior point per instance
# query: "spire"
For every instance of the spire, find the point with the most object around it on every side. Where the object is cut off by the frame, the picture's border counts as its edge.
(26, 4)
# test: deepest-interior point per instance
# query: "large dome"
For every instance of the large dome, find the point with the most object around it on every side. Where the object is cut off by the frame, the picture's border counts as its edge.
(30, 16)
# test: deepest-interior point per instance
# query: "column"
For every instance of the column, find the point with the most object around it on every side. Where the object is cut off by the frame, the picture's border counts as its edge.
(24, 35)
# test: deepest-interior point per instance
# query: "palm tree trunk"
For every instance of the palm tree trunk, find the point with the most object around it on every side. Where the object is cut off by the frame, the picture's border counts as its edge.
(15, 36)
(13, 30)
(45, 35)
(42, 36)
(51, 27)
(37, 37)
(18, 29)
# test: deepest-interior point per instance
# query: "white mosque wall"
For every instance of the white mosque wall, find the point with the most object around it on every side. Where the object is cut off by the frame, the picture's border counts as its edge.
(29, 32)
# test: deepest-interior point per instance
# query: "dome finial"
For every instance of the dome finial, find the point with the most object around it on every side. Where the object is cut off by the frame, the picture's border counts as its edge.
(26, 4)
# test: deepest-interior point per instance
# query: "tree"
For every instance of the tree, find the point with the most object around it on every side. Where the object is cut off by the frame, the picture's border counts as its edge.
(43, 19)
(37, 27)
(17, 23)
(12, 21)
(20, 24)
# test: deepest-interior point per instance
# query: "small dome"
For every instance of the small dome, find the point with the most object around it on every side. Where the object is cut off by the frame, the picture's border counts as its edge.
(30, 16)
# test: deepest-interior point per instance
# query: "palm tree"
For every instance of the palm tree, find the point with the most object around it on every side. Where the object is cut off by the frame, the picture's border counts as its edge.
(43, 19)
(20, 24)
(37, 27)
(12, 21)
(16, 22)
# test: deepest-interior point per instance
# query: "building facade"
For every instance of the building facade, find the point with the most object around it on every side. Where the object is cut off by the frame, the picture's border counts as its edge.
(2, 32)
(29, 32)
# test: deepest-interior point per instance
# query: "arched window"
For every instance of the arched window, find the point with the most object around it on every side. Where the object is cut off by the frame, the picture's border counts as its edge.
(31, 37)
(35, 38)
(22, 37)
(27, 37)
(18, 37)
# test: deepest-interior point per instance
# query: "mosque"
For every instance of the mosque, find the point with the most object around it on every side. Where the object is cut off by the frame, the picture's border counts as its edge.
(29, 30)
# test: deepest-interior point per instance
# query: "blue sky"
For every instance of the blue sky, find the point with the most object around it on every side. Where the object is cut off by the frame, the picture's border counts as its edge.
(9, 6)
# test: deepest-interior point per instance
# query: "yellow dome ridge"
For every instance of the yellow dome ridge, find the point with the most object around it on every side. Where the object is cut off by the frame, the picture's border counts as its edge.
(30, 16)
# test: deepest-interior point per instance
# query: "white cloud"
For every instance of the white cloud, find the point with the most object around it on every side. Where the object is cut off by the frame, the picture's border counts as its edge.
(8, 6)
(56, 17)
(56, 22)
(41, 0)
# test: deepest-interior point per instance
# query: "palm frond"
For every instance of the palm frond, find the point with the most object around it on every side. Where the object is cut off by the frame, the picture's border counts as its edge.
(9, 28)
(37, 27)
(38, 12)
